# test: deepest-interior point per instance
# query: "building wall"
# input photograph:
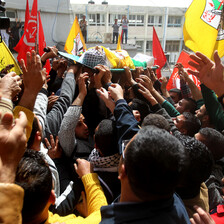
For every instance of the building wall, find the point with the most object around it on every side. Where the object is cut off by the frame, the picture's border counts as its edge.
(139, 33)
(58, 15)
(56, 18)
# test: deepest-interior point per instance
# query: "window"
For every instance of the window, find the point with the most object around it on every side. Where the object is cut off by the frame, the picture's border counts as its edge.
(112, 17)
(172, 46)
(139, 45)
(174, 21)
(155, 20)
(79, 16)
(132, 20)
(136, 20)
(11, 14)
(92, 19)
(149, 46)
(96, 19)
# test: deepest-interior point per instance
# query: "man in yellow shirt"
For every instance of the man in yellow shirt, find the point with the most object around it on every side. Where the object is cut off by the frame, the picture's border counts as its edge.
(34, 176)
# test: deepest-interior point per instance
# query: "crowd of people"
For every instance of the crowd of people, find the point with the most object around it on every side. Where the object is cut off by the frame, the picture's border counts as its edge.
(12, 35)
(86, 145)
(124, 33)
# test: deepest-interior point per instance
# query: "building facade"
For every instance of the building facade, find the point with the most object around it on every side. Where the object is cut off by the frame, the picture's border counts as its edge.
(58, 15)
(168, 23)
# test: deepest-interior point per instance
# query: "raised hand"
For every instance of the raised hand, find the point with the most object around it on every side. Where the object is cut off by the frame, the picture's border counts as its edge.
(33, 74)
(116, 92)
(147, 94)
(146, 82)
(82, 83)
(104, 95)
(209, 73)
(12, 145)
(82, 167)
(33, 78)
(128, 75)
(138, 71)
(201, 217)
(10, 85)
(51, 101)
(98, 78)
(53, 53)
(54, 151)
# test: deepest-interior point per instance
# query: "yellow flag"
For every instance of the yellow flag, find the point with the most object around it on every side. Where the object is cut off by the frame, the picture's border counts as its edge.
(119, 43)
(6, 58)
(202, 28)
(75, 43)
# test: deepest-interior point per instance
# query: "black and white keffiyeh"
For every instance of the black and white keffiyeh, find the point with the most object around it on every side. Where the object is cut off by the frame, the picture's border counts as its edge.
(108, 163)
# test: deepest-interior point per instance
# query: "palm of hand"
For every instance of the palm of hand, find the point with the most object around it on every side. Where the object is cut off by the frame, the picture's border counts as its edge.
(213, 76)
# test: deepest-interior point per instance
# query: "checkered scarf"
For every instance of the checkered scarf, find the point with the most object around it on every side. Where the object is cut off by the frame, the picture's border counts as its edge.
(93, 57)
(103, 162)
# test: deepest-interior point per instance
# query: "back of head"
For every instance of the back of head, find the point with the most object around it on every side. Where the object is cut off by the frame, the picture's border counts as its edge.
(192, 124)
(141, 106)
(200, 163)
(214, 140)
(34, 176)
(152, 158)
(105, 137)
(157, 120)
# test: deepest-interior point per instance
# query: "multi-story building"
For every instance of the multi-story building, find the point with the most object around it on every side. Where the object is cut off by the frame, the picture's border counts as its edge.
(58, 16)
(168, 23)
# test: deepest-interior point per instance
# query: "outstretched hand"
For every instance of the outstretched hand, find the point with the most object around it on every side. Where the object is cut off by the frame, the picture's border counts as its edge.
(82, 167)
(209, 73)
(104, 95)
(201, 217)
(33, 74)
(10, 85)
(12, 145)
(54, 151)
(116, 92)
(146, 82)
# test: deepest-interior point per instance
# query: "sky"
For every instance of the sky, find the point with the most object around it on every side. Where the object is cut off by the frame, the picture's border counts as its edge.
(168, 3)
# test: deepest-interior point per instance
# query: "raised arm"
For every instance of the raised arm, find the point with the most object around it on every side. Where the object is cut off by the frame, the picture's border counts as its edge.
(209, 73)
(126, 124)
(67, 130)
(33, 80)
(55, 116)
(94, 192)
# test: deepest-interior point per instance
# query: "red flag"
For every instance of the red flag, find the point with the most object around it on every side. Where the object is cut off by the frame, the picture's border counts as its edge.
(27, 16)
(30, 33)
(174, 81)
(158, 54)
(42, 43)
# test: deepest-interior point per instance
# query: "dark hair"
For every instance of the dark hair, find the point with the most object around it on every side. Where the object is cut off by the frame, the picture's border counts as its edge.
(35, 128)
(214, 140)
(178, 91)
(191, 105)
(158, 120)
(192, 124)
(199, 167)
(105, 137)
(152, 158)
(34, 176)
(141, 106)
